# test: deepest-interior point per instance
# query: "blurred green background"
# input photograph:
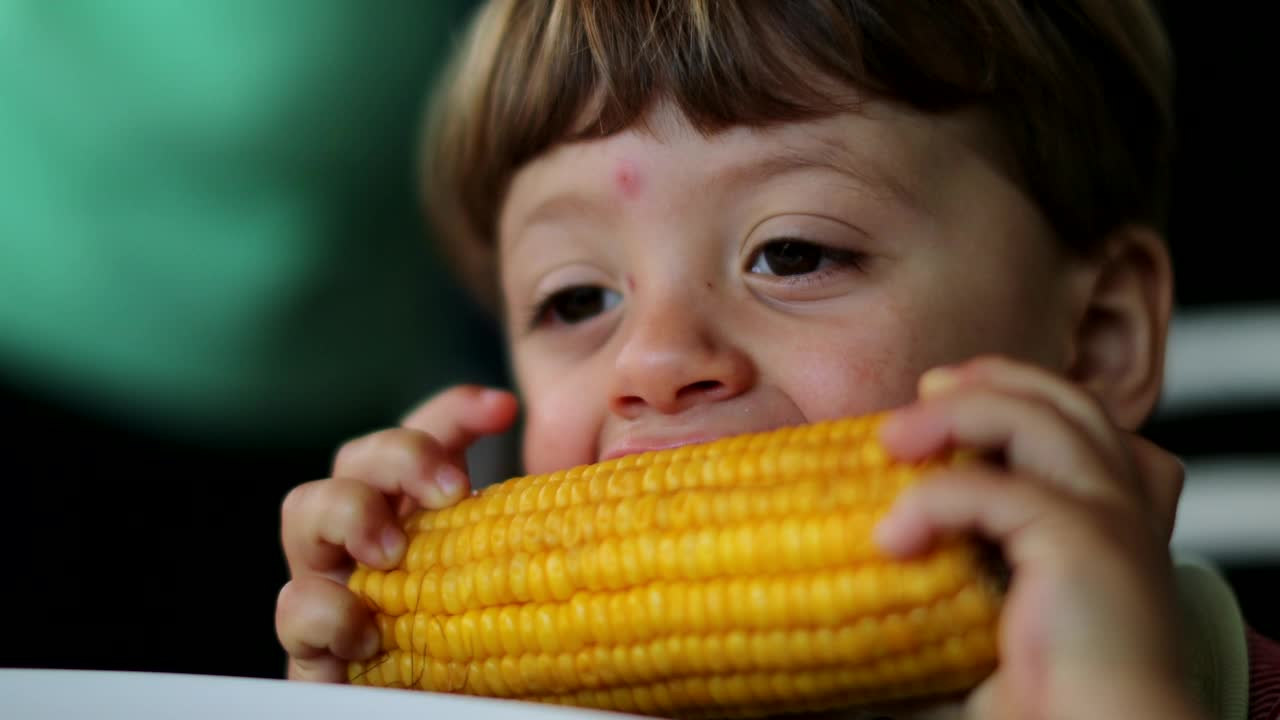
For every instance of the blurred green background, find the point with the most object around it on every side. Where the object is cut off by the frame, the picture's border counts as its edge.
(213, 271)
(208, 215)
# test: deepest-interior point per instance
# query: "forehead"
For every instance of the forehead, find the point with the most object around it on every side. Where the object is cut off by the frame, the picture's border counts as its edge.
(891, 153)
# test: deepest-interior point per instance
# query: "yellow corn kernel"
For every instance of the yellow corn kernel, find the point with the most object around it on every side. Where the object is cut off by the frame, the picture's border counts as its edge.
(728, 579)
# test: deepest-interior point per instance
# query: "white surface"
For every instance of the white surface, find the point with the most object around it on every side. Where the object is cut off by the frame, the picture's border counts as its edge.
(1221, 359)
(1230, 509)
(49, 694)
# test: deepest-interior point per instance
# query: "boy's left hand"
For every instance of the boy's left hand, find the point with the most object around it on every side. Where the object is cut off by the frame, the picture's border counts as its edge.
(1083, 513)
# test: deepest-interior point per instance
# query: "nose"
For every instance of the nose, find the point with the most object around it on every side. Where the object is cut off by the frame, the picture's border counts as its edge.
(672, 359)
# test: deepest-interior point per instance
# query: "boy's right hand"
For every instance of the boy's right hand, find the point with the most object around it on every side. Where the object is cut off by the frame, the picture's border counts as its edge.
(328, 525)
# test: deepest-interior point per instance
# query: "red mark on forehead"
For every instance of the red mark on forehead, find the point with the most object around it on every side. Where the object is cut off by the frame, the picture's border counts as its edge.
(631, 282)
(627, 178)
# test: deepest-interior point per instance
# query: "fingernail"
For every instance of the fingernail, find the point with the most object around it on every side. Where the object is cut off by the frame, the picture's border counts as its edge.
(392, 544)
(491, 395)
(371, 642)
(883, 533)
(938, 380)
(896, 535)
(450, 480)
(894, 423)
(913, 432)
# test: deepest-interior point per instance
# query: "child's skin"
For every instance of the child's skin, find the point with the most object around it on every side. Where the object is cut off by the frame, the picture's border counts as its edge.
(913, 251)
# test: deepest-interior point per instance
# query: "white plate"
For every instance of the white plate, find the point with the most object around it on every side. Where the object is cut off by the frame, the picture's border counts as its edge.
(40, 694)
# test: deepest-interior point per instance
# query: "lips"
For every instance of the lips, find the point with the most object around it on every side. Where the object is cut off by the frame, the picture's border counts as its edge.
(638, 445)
(637, 442)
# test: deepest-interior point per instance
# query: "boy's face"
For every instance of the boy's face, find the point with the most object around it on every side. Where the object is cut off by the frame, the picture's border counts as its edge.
(665, 288)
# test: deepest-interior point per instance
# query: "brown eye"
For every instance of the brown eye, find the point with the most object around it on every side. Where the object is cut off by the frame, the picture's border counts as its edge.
(796, 258)
(576, 304)
(788, 257)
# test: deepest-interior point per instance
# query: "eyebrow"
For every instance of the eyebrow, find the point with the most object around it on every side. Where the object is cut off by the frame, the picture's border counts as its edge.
(824, 154)
(570, 204)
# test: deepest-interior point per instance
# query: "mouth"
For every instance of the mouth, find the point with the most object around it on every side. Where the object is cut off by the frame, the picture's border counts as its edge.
(702, 423)
(635, 446)
(639, 441)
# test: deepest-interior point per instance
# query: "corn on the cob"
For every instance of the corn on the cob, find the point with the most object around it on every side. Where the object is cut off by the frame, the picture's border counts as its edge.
(731, 578)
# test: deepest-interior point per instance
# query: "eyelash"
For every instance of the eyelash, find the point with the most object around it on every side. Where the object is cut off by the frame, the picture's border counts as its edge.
(836, 259)
(538, 313)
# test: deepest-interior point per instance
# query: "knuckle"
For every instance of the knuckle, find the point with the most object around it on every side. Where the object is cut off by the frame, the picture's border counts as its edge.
(389, 453)
(349, 452)
(988, 364)
(1116, 523)
(1051, 410)
(350, 504)
(291, 616)
(285, 602)
(1167, 467)
(464, 391)
(1059, 421)
(1022, 413)
(1092, 403)
(297, 501)
(1177, 479)
(1094, 409)
(1034, 493)
(293, 503)
(407, 448)
(442, 401)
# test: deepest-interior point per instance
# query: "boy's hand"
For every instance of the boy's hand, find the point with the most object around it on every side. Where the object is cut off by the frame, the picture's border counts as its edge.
(352, 516)
(1083, 513)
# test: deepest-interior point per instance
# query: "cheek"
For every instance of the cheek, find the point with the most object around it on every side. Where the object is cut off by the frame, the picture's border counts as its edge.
(999, 283)
(861, 368)
(560, 430)
(1021, 317)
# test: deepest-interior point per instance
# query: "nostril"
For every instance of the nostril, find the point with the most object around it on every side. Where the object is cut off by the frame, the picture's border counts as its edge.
(702, 387)
(630, 401)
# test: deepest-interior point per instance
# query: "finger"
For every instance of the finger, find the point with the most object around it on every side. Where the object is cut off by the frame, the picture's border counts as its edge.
(457, 417)
(322, 626)
(1163, 476)
(327, 522)
(1030, 381)
(324, 668)
(1033, 437)
(1029, 520)
(402, 461)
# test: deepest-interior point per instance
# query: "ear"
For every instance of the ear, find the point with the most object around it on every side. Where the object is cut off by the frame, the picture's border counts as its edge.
(1119, 342)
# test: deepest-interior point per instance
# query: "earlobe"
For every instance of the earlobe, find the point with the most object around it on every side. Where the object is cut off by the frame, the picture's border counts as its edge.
(1119, 346)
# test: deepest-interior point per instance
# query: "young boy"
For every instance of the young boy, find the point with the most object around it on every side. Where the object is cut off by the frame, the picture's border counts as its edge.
(701, 219)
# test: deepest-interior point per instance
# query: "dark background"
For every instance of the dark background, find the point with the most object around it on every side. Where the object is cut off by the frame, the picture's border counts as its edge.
(1222, 234)
(1224, 188)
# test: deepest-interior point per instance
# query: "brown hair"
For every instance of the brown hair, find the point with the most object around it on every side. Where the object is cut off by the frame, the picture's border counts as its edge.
(1079, 89)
